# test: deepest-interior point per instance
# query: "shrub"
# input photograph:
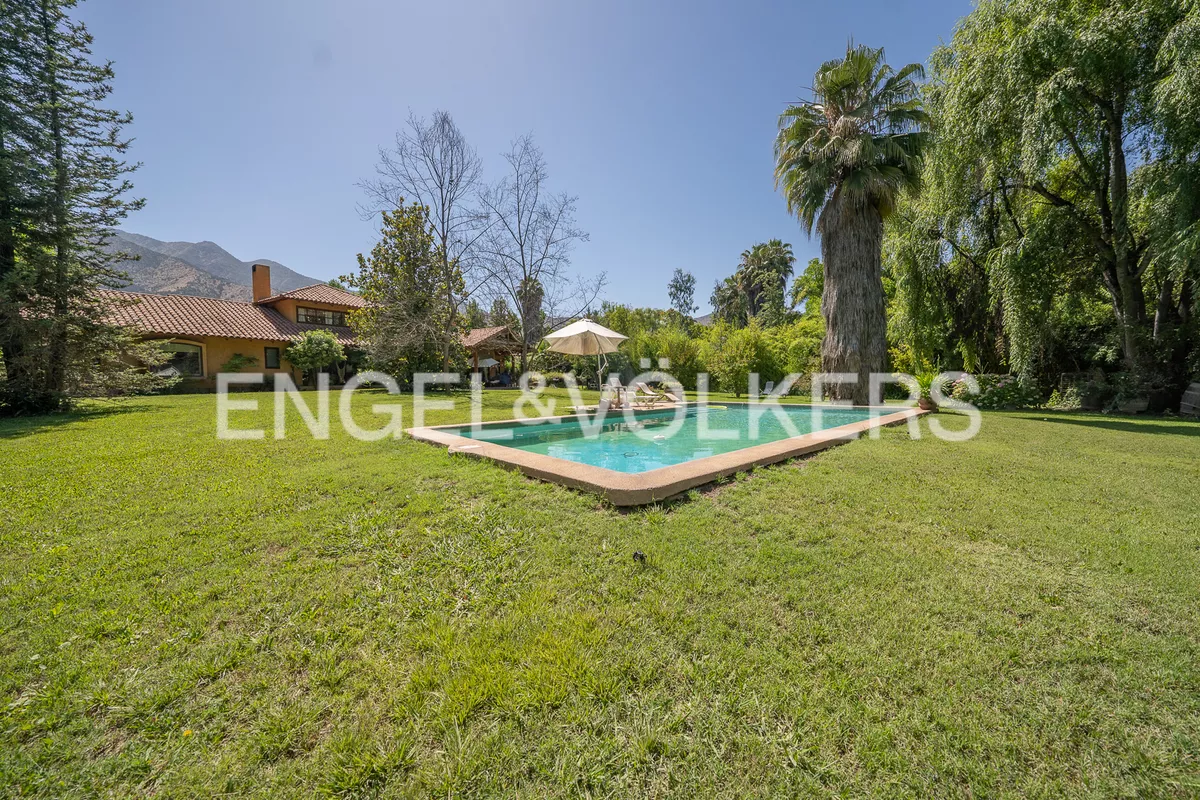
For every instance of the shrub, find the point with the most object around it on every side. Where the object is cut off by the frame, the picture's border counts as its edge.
(796, 347)
(730, 355)
(238, 362)
(1067, 399)
(315, 350)
(1153, 388)
(1000, 391)
(683, 353)
(927, 380)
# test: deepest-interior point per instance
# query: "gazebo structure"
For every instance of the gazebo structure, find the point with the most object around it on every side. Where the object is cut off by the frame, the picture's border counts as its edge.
(490, 348)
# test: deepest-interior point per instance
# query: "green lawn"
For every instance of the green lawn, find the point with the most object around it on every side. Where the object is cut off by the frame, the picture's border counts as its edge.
(1014, 616)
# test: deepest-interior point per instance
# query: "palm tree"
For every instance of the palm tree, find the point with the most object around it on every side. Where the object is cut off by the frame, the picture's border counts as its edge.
(760, 282)
(764, 272)
(729, 302)
(842, 160)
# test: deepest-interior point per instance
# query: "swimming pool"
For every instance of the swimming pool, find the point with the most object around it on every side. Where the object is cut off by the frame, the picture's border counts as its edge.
(648, 456)
(656, 439)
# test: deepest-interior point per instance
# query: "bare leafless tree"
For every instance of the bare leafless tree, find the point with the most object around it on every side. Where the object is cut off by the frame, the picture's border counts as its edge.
(432, 164)
(525, 250)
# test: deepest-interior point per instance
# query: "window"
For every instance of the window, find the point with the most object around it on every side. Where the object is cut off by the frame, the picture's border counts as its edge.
(271, 359)
(320, 316)
(186, 360)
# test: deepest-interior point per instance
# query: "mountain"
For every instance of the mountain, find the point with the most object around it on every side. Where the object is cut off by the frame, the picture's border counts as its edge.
(196, 268)
(162, 274)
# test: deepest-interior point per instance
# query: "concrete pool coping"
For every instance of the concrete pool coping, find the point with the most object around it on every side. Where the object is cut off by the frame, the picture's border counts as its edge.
(635, 489)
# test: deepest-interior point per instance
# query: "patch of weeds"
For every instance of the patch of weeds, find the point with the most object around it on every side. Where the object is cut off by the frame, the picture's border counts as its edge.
(359, 766)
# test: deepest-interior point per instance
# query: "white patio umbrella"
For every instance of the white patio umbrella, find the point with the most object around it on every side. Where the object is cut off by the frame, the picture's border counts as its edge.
(585, 338)
(488, 362)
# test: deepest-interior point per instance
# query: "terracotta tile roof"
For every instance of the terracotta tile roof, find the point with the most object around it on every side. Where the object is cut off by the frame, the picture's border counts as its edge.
(186, 315)
(320, 293)
(476, 337)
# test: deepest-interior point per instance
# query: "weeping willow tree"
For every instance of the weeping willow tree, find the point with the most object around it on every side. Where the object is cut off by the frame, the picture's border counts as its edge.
(1063, 178)
(842, 160)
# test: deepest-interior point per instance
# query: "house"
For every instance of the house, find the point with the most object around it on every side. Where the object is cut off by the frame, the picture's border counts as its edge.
(204, 333)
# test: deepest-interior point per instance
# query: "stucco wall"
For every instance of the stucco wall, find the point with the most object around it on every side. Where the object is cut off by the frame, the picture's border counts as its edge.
(217, 350)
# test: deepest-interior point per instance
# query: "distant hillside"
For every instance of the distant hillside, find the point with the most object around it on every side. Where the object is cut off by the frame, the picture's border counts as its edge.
(196, 268)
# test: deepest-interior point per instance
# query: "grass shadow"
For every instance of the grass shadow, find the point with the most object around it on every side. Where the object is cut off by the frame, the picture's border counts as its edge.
(1157, 425)
(19, 427)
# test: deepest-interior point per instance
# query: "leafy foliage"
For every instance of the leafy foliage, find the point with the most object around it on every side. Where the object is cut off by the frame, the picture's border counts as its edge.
(861, 134)
(927, 381)
(315, 350)
(731, 354)
(473, 315)
(807, 289)
(405, 320)
(1000, 391)
(501, 314)
(1063, 180)
(756, 289)
(682, 291)
(238, 362)
(687, 349)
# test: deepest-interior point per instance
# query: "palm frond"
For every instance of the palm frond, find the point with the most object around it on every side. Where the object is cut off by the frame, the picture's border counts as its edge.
(863, 132)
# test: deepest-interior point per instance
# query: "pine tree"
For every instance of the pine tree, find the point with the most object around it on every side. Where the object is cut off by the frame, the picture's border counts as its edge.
(63, 189)
(21, 139)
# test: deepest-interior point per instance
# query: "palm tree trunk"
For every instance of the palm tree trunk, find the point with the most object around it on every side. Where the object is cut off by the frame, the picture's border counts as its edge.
(852, 303)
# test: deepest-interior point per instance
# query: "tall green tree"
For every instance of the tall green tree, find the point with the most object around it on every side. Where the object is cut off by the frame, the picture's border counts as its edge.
(1057, 118)
(433, 164)
(502, 314)
(1063, 177)
(64, 187)
(682, 291)
(729, 302)
(843, 159)
(763, 276)
(406, 317)
(531, 295)
(22, 139)
(807, 289)
(756, 290)
(473, 315)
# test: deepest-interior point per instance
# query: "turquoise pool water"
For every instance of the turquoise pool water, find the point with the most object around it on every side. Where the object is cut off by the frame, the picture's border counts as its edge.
(648, 443)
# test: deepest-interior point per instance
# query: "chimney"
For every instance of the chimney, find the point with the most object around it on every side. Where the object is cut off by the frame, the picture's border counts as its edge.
(260, 279)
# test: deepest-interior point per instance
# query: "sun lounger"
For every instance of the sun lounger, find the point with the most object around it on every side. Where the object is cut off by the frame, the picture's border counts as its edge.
(647, 395)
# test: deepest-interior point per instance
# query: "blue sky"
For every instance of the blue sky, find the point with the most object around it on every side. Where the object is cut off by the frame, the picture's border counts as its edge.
(255, 120)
